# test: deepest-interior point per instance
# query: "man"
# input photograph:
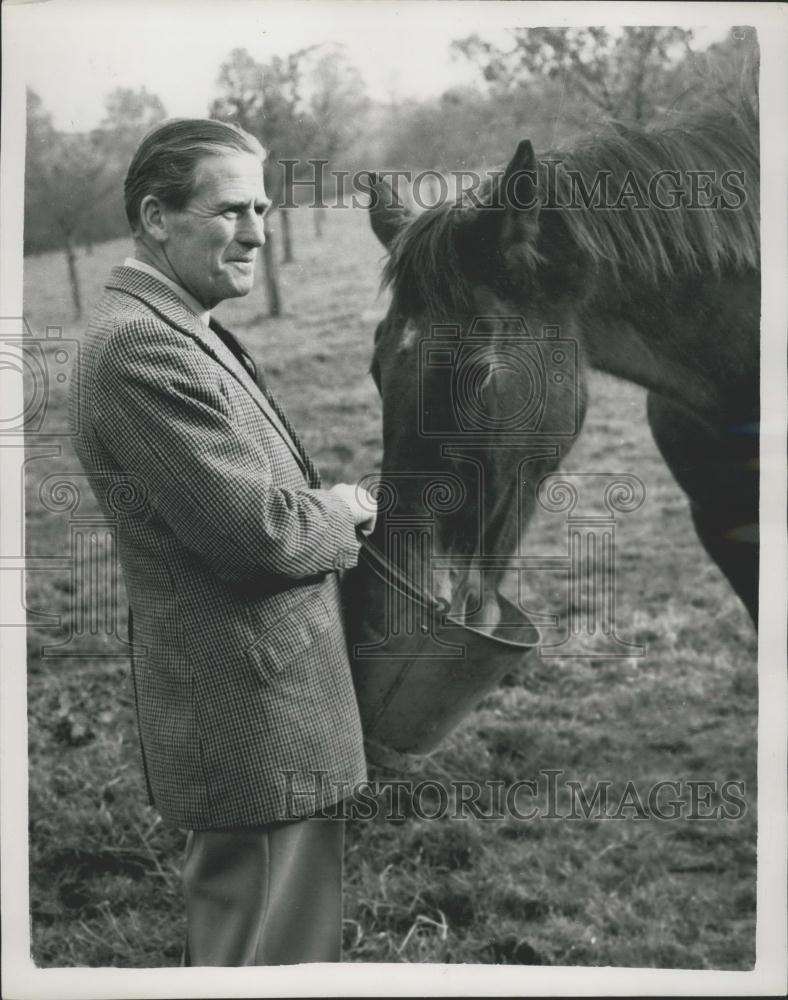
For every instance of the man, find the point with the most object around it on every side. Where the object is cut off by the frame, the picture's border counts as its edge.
(229, 548)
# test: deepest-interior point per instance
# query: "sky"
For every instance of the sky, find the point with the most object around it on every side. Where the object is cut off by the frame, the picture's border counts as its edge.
(77, 51)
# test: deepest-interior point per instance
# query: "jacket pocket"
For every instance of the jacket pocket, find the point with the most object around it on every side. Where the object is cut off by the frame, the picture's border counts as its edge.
(296, 632)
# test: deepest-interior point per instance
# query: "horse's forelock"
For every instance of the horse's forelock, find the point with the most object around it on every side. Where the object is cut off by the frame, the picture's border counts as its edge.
(424, 270)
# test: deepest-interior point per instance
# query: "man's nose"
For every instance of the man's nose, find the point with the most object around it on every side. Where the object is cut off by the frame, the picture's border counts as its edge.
(250, 230)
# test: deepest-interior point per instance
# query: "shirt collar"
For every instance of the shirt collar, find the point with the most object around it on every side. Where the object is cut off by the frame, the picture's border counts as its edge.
(196, 307)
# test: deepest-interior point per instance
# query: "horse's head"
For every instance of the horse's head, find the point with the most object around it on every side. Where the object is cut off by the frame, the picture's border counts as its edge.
(478, 380)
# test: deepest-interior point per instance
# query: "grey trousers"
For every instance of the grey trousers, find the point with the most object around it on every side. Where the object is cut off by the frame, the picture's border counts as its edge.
(267, 896)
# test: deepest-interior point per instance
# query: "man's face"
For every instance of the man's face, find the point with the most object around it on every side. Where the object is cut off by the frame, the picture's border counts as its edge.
(212, 243)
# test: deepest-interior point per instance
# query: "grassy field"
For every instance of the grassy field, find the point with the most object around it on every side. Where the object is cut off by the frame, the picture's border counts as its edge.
(621, 892)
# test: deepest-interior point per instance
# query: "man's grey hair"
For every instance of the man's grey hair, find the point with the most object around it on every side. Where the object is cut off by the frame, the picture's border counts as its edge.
(165, 164)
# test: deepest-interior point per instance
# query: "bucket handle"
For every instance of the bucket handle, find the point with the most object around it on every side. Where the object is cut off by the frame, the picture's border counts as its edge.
(394, 576)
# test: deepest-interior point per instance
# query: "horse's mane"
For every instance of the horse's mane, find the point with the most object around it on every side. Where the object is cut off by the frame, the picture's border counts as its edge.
(424, 266)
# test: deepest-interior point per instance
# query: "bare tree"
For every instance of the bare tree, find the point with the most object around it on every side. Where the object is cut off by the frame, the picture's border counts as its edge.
(623, 75)
(338, 107)
(66, 181)
(128, 116)
(262, 99)
(309, 105)
(266, 99)
(72, 178)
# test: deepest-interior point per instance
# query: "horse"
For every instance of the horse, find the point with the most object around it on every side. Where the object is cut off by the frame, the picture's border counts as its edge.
(635, 252)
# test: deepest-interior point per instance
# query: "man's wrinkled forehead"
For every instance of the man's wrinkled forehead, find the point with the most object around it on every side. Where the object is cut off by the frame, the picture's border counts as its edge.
(232, 174)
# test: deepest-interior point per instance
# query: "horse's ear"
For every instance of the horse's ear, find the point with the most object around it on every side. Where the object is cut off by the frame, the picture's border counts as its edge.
(519, 181)
(519, 193)
(386, 212)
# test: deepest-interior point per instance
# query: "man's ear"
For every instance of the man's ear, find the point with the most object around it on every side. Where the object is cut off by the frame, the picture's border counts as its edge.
(153, 221)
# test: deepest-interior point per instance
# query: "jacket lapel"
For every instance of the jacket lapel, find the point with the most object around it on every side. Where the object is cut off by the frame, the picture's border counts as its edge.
(166, 304)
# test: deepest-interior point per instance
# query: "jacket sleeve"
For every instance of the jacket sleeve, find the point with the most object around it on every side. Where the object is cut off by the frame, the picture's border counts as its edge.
(164, 418)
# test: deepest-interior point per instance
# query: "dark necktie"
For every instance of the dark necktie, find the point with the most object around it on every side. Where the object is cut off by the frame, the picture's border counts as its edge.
(245, 359)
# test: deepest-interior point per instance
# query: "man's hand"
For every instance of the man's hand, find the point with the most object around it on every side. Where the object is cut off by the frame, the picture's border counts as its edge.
(362, 504)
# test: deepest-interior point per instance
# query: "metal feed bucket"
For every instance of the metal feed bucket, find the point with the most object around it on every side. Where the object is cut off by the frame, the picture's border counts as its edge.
(418, 672)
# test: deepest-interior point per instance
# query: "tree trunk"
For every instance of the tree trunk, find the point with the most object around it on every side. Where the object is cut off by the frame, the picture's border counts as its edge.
(287, 236)
(317, 215)
(269, 268)
(73, 276)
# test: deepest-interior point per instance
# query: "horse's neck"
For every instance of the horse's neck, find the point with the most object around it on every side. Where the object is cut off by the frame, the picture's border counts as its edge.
(619, 347)
(700, 349)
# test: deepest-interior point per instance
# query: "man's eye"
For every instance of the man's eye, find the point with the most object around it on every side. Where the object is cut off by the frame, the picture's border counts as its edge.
(230, 213)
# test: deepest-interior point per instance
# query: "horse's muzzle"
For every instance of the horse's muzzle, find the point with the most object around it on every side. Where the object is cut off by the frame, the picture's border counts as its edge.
(419, 670)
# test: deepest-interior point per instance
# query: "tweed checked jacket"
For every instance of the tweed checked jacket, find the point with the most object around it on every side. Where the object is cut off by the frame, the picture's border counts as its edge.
(240, 670)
